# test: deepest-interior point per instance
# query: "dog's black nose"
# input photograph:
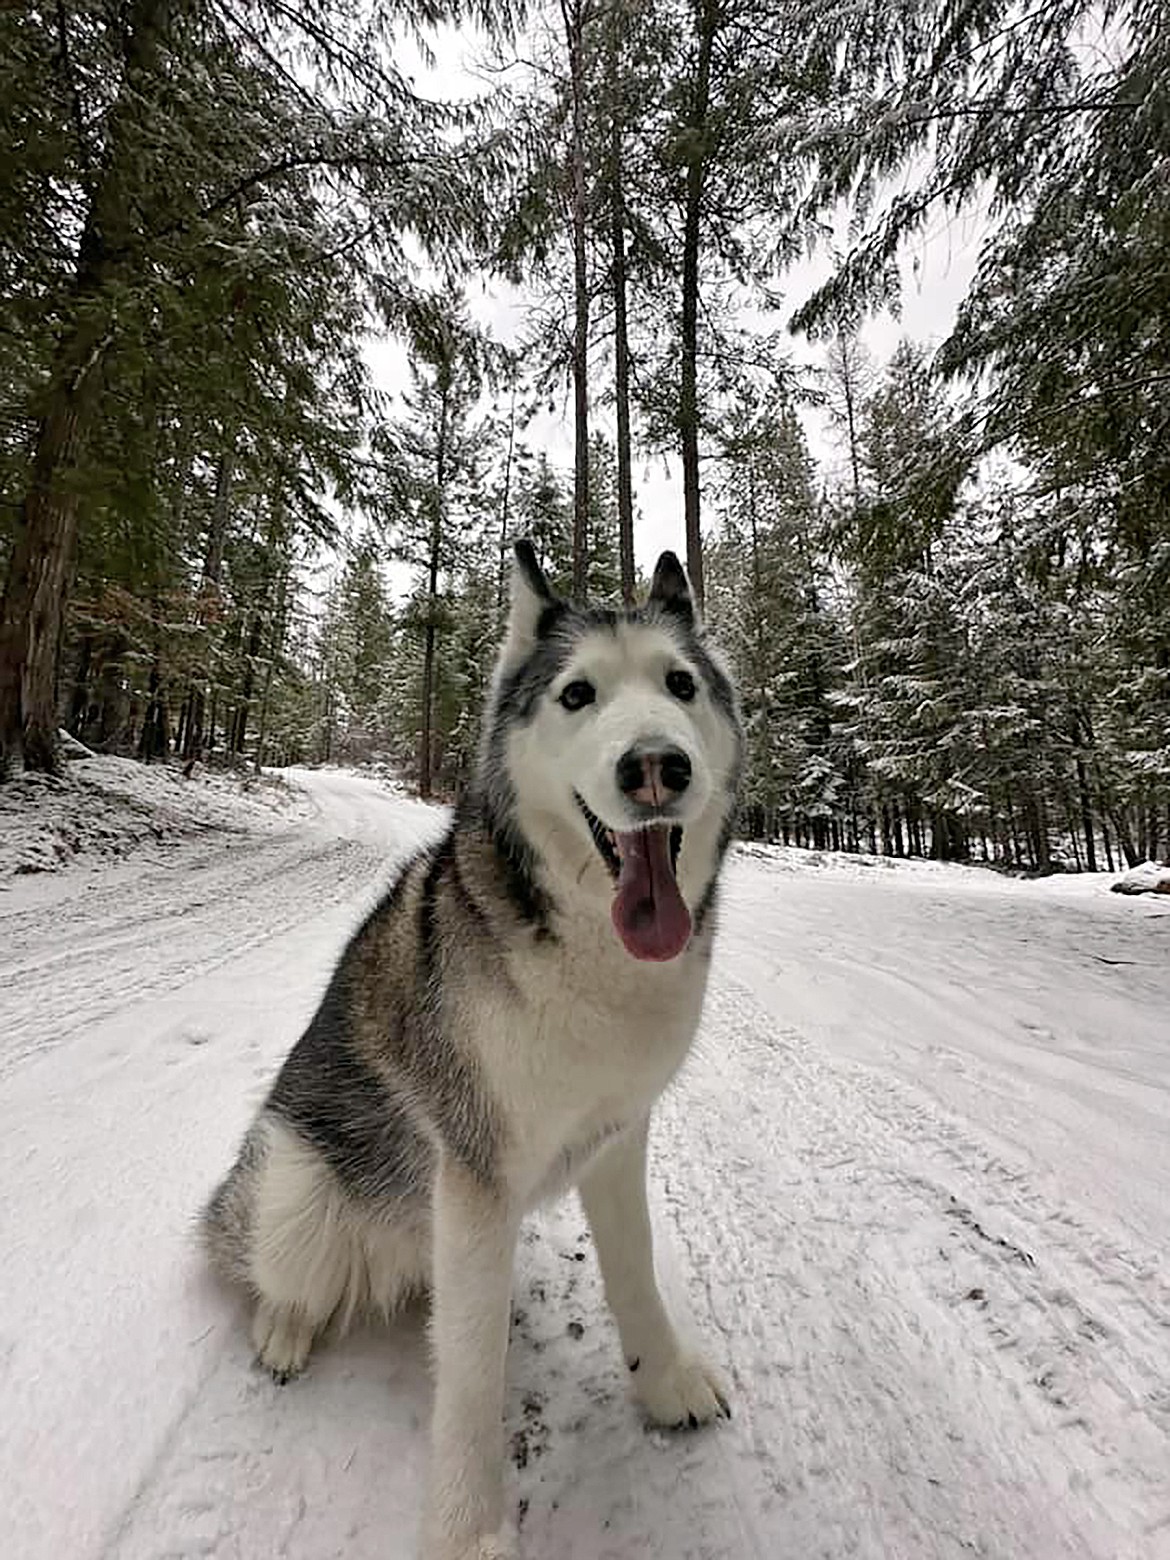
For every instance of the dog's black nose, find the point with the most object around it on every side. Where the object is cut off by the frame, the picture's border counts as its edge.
(676, 770)
(653, 777)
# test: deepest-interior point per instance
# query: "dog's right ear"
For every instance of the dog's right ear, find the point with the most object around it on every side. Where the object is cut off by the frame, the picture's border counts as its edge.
(532, 596)
(671, 590)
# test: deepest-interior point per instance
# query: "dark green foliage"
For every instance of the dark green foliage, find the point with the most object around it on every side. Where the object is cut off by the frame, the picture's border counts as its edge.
(202, 206)
(769, 604)
(205, 209)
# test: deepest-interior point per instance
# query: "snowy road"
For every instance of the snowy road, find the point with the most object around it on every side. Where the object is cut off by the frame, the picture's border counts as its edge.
(917, 1182)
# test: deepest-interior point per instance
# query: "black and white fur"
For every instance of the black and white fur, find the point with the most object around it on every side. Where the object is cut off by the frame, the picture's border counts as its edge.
(487, 1041)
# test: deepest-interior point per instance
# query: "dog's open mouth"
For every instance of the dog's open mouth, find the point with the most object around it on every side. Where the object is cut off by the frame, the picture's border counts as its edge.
(649, 913)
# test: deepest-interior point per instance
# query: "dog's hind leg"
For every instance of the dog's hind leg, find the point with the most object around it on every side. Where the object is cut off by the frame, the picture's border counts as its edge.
(674, 1384)
(305, 1261)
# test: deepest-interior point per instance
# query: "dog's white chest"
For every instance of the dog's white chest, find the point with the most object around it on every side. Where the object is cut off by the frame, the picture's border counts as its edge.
(587, 1049)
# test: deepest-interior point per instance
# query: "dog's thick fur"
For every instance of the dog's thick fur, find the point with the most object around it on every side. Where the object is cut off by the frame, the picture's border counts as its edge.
(488, 1039)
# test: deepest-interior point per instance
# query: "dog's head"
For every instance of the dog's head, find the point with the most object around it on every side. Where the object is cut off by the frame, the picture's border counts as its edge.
(617, 736)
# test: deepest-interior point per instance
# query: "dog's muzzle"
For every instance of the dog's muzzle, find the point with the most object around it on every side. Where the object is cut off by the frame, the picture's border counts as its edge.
(649, 913)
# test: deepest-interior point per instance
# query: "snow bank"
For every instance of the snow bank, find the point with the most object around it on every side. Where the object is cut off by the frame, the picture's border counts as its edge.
(918, 872)
(1149, 877)
(382, 772)
(104, 808)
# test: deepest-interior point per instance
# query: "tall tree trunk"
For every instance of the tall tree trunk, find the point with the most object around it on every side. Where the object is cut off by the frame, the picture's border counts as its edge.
(209, 584)
(220, 508)
(1108, 844)
(267, 612)
(32, 614)
(621, 335)
(1086, 814)
(1074, 836)
(1125, 840)
(154, 738)
(239, 729)
(426, 740)
(574, 14)
(1040, 830)
(260, 739)
(79, 703)
(327, 726)
(33, 608)
(506, 501)
(849, 390)
(1013, 833)
(759, 625)
(276, 637)
(706, 24)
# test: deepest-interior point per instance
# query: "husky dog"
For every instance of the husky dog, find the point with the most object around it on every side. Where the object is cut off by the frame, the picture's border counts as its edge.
(500, 1028)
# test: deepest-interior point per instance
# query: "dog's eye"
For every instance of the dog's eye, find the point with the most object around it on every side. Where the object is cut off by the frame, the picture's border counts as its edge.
(576, 695)
(682, 685)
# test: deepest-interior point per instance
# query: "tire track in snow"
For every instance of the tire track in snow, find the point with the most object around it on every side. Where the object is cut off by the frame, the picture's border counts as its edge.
(835, 1227)
(885, 1281)
(69, 967)
(114, 1354)
(832, 1231)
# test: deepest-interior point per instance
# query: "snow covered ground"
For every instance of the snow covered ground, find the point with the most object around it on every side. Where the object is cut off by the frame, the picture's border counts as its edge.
(916, 1184)
(104, 808)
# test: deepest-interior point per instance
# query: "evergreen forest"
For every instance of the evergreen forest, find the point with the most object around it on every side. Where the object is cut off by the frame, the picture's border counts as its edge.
(942, 578)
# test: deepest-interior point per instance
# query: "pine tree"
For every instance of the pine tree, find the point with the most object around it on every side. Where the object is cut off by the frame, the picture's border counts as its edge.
(439, 444)
(903, 694)
(355, 650)
(730, 75)
(185, 166)
(1062, 330)
(769, 605)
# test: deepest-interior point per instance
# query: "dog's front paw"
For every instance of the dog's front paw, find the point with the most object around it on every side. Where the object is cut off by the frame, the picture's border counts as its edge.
(282, 1339)
(687, 1391)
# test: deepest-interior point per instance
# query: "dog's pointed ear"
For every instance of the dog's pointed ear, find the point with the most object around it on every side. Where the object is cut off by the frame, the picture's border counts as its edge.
(531, 597)
(671, 590)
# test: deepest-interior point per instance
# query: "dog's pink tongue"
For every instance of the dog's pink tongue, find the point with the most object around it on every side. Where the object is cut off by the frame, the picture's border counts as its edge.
(648, 910)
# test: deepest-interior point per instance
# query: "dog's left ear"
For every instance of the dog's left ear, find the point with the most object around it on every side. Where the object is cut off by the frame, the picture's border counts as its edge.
(671, 590)
(531, 598)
